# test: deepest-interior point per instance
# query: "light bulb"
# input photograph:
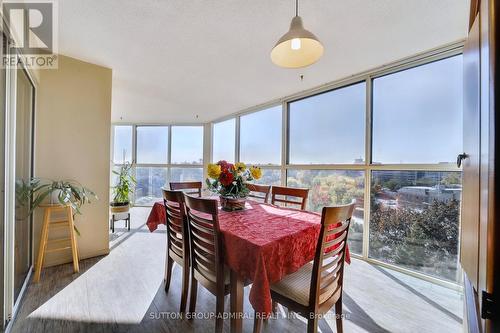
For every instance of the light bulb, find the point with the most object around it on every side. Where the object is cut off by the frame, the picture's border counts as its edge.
(296, 44)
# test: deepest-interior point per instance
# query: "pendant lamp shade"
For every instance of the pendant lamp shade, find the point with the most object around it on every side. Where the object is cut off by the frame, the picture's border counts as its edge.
(297, 48)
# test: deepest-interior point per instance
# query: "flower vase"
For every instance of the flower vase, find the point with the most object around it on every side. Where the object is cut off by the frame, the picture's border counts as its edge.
(230, 204)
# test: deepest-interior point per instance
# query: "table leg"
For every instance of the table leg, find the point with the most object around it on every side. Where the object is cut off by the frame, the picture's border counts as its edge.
(236, 303)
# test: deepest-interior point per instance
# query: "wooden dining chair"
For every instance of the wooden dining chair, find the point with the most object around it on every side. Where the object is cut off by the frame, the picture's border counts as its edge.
(259, 192)
(281, 194)
(207, 254)
(186, 187)
(316, 287)
(177, 241)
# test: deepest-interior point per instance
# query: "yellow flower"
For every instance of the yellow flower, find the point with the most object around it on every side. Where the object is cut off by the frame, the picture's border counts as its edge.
(214, 171)
(240, 167)
(256, 172)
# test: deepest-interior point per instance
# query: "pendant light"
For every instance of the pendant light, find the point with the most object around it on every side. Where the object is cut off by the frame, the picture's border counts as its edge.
(298, 47)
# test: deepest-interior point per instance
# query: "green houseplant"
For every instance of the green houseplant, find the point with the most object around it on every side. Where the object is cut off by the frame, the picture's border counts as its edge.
(123, 188)
(38, 191)
(64, 192)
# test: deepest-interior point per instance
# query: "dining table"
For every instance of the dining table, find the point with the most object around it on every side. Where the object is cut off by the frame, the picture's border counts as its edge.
(263, 243)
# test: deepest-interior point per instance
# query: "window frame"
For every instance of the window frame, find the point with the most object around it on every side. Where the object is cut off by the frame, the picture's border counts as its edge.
(368, 166)
(168, 166)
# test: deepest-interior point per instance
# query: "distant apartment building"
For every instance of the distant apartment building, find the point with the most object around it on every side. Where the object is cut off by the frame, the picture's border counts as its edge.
(421, 196)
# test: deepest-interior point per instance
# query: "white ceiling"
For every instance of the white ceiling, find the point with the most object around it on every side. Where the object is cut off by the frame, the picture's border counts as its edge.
(178, 59)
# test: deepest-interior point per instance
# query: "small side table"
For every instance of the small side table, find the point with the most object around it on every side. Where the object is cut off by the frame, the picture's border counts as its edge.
(59, 244)
(117, 216)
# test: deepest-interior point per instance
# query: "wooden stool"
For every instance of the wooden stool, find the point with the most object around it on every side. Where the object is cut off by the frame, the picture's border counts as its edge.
(61, 243)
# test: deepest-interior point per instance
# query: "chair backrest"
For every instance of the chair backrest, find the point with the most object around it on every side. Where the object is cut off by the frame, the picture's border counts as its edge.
(207, 261)
(176, 221)
(259, 192)
(196, 186)
(328, 270)
(280, 194)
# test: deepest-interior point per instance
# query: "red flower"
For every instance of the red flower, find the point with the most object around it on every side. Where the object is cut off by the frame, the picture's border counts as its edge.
(224, 165)
(226, 177)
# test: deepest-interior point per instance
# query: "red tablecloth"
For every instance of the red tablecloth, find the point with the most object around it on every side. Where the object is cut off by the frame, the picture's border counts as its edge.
(263, 243)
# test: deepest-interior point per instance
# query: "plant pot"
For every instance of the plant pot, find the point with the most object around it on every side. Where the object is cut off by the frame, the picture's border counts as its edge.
(119, 207)
(54, 197)
(230, 204)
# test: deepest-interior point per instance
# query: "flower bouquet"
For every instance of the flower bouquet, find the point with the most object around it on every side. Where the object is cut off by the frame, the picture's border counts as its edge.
(229, 182)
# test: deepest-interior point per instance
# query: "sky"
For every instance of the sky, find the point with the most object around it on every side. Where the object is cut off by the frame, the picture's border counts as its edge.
(417, 118)
(122, 144)
(224, 140)
(418, 114)
(152, 144)
(257, 145)
(329, 128)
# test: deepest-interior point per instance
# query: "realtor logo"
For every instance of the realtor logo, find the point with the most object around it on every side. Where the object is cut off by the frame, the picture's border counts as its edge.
(33, 28)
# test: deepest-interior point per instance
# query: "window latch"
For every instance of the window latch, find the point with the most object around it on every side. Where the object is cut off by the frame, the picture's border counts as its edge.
(460, 158)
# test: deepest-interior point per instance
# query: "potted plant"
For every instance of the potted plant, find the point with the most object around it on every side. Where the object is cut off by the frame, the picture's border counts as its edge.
(122, 189)
(229, 181)
(64, 192)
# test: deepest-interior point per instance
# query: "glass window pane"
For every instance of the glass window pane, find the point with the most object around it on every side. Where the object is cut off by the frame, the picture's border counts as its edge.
(224, 136)
(113, 178)
(187, 145)
(417, 114)
(269, 177)
(186, 174)
(260, 136)
(122, 145)
(414, 220)
(329, 128)
(152, 144)
(149, 185)
(334, 187)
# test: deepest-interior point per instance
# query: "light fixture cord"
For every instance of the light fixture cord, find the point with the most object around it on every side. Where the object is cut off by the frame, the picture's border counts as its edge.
(296, 7)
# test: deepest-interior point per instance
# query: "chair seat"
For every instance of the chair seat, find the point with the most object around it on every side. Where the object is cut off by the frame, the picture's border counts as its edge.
(296, 286)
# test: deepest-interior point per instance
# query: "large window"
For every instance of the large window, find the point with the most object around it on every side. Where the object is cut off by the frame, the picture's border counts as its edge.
(159, 162)
(270, 177)
(260, 136)
(122, 144)
(414, 220)
(152, 144)
(417, 114)
(387, 139)
(150, 180)
(224, 140)
(334, 187)
(186, 174)
(329, 128)
(187, 145)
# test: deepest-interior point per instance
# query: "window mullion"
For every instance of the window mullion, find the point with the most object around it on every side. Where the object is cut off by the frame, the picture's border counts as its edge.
(237, 140)
(368, 160)
(284, 142)
(169, 156)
